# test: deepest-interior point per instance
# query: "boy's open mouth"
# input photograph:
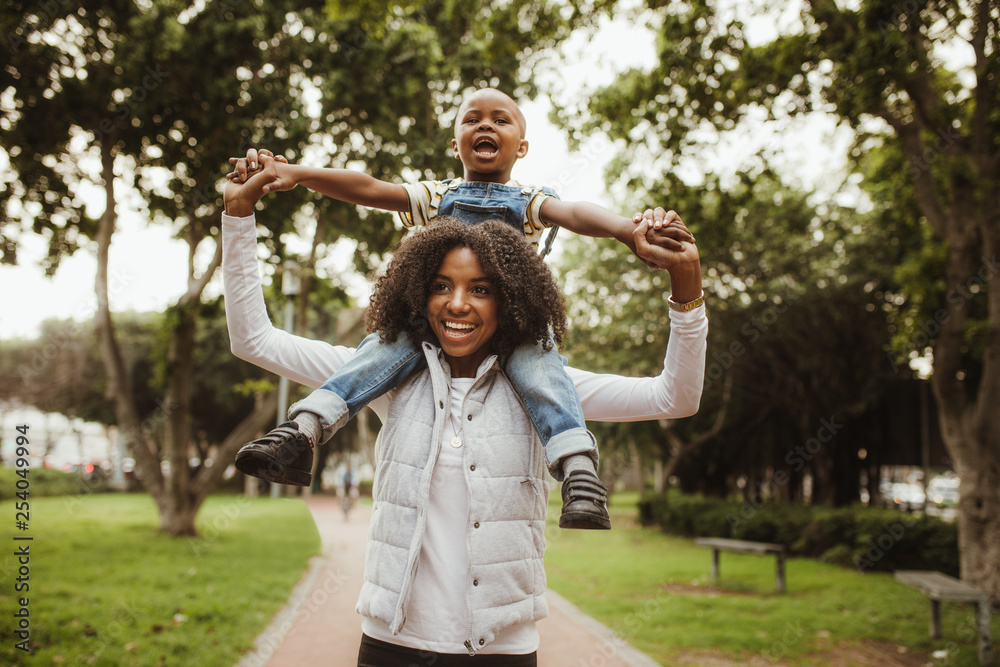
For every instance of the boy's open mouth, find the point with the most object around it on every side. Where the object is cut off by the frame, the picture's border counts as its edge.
(485, 147)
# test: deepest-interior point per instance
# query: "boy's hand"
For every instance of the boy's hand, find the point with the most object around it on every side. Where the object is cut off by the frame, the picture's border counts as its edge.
(668, 223)
(277, 176)
(244, 167)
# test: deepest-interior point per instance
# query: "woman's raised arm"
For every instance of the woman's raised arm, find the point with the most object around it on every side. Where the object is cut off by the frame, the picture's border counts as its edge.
(252, 336)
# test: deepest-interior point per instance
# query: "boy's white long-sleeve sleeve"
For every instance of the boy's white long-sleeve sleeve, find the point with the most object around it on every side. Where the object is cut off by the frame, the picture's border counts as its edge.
(675, 393)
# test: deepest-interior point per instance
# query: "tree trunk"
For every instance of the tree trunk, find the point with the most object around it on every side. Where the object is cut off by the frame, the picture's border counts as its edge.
(177, 505)
(970, 427)
(119, 385)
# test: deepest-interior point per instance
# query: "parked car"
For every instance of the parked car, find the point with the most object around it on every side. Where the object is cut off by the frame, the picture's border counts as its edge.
(943, 491)
(907, 496)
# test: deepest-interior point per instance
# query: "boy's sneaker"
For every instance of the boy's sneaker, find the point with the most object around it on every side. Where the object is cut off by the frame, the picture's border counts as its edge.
(283, 456)
(585, 502)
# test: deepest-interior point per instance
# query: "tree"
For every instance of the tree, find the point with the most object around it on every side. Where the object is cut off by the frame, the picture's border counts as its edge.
(154, 98)
(795, 339)
(884, 69)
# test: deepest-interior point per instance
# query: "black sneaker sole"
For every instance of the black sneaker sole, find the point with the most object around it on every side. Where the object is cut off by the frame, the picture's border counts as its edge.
(583, 521)
(258, 464)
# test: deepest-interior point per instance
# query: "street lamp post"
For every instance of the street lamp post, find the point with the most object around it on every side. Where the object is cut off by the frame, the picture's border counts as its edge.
(291, 285)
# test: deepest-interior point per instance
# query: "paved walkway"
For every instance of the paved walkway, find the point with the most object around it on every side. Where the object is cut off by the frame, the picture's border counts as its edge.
(320, 627)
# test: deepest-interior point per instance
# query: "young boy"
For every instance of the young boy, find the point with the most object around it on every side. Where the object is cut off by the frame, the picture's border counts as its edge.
(489, 138)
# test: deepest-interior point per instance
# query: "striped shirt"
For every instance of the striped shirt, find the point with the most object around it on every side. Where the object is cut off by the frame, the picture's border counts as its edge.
(425, 201)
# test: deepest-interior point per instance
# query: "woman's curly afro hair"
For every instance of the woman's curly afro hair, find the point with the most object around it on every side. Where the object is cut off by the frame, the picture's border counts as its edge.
(530, 305)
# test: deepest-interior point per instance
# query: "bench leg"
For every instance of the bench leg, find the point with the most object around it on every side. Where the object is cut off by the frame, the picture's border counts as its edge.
(779, 574)
(715, 565)
(935, 619)
(983, 617)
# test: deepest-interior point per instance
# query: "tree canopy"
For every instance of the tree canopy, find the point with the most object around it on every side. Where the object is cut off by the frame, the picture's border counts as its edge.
(917, 84)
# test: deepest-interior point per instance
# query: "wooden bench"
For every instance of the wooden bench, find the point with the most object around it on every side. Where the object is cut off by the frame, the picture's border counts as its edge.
(940, 587)
(717, 544)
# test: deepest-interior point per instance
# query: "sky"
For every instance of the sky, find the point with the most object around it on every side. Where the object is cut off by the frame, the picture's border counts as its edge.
(148, 267)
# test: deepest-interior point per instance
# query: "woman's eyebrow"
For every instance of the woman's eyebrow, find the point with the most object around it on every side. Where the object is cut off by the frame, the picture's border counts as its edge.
(478, 279)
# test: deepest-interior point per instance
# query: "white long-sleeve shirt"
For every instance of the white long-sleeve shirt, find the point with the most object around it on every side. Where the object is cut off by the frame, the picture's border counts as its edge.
(674, 393)
(435, 621)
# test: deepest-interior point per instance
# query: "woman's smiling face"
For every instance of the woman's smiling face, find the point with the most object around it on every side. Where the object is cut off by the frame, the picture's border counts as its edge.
(462, 310)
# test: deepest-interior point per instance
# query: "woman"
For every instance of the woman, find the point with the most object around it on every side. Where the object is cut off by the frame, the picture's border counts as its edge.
(454, 559)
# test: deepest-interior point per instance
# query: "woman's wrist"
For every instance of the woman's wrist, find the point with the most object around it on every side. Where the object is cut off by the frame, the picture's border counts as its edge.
(685, 282)
(239, 208)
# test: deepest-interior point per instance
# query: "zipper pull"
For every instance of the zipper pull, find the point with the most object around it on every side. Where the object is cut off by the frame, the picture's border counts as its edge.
(468, 645)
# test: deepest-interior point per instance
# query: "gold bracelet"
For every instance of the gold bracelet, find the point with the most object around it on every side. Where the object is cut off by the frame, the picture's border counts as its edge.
(685, 307)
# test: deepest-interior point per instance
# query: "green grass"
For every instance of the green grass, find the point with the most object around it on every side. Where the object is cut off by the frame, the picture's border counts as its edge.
(655, 591)
(107, 589)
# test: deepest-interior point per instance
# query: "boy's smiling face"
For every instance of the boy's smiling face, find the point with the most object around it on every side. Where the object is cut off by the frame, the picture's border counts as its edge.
(489, 136)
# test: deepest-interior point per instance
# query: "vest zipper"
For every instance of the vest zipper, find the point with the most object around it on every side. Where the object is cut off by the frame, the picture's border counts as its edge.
(408, 587)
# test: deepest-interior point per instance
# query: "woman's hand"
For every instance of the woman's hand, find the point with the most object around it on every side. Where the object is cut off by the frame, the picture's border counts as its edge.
(665, 234)
(681, 259)
(240, 197)
(662, 240)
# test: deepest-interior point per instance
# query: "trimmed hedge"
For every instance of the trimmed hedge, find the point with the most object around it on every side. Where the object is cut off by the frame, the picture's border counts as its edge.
(862, 537)
(42, 482)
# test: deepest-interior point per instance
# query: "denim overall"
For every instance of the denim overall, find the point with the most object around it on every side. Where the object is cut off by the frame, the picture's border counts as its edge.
(538, 376)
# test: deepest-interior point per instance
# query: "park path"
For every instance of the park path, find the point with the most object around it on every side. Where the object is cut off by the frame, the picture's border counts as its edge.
(320, 627)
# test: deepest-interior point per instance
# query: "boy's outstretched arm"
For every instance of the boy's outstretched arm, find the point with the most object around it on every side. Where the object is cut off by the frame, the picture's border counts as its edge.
(667, 231)
(347, 185)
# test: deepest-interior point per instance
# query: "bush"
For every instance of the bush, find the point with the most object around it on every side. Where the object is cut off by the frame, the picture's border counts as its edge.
(863, 537)
(42, 482)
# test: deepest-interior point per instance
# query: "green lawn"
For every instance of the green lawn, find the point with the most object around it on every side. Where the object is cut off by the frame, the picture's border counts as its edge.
(106, 589)
(655, 591)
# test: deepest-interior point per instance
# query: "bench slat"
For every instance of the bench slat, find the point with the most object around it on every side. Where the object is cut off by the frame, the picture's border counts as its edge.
(739, 545)
(940, 586)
